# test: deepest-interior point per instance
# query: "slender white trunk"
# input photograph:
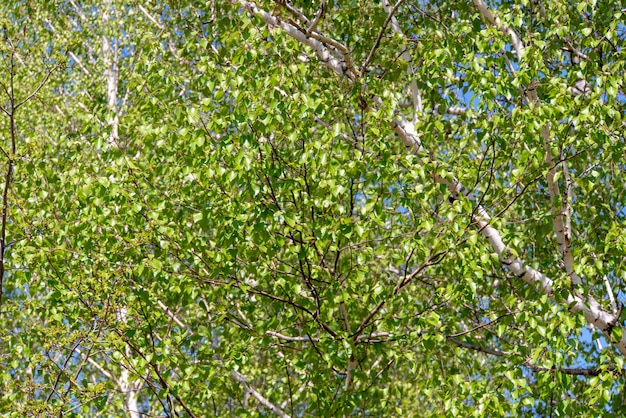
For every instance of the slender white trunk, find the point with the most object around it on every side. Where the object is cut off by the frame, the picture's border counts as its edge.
(126, 385)
(110, 56)
(111, 74)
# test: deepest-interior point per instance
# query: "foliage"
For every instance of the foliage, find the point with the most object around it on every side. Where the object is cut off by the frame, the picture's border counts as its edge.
(312, 209)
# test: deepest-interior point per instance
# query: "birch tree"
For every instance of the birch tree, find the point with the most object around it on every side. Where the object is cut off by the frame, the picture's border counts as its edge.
(312, 208)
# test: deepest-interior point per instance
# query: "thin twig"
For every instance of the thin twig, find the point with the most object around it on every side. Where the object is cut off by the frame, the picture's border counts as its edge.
(370, 56)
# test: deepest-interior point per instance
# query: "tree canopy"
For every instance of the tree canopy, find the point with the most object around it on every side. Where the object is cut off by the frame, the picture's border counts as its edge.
(329, 208)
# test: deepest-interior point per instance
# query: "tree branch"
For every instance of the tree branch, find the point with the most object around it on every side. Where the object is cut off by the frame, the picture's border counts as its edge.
(415, 93)
(563, 237)
(477, 327)
(34, 92)
(156, 371)
(339, 67)
(149, 16)
(370, 56)
(244, 382)
(292, 339)
(573, 371)
(494, 20)
(102, 370)
(476, 347)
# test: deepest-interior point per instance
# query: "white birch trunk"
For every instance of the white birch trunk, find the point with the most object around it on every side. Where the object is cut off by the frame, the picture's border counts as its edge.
(110, 57)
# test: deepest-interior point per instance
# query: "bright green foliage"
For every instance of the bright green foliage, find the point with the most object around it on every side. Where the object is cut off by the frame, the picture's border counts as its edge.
(203, 218)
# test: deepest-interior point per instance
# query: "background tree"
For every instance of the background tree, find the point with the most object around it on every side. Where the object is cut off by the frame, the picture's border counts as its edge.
(302, 209)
